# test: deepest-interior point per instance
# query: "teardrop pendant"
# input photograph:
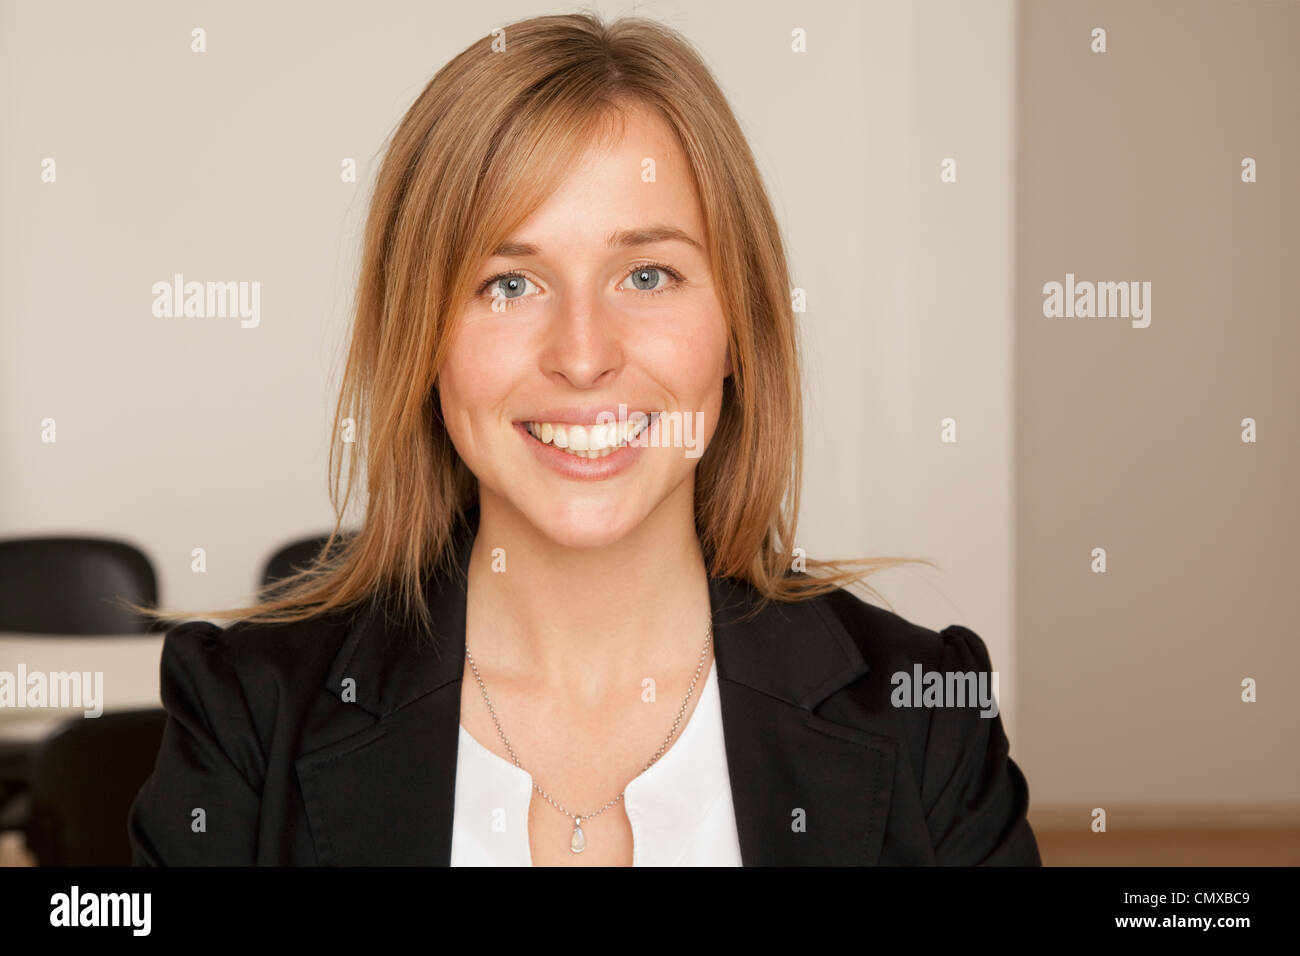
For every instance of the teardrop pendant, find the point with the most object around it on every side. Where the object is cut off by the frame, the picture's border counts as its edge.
(577, 842)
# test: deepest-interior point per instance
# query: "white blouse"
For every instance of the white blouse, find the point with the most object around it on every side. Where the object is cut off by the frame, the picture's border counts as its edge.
(679, 808)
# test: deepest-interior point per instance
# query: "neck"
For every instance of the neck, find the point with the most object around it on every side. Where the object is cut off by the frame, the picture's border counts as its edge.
(578, 621)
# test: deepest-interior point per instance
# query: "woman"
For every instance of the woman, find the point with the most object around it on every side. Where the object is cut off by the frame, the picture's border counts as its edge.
(572, 628)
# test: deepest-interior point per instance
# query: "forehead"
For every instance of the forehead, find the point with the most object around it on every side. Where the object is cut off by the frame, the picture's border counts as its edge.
(634, 172)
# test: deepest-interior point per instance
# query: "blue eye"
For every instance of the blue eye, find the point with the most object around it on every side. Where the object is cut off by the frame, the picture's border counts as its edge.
(510, 287)
(649, 278)
(645, 279)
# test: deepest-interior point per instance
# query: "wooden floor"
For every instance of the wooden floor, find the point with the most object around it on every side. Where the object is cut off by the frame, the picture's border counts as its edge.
(1171, 847)
(1255, 846)
(1153, 835)
(13, 852)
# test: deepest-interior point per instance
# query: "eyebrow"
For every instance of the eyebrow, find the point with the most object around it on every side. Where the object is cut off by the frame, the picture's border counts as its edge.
(623, 239)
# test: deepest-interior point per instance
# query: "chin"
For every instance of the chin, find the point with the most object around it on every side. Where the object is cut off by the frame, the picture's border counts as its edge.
(584, 522)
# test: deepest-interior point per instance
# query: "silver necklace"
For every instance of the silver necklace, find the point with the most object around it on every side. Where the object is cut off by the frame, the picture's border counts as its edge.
(578, 841)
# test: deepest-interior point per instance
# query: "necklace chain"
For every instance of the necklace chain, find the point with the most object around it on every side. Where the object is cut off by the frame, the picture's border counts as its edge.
(578, 818)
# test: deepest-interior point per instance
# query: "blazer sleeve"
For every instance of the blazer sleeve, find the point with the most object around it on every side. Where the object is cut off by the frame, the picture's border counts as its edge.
(976, 796)
(200, 805)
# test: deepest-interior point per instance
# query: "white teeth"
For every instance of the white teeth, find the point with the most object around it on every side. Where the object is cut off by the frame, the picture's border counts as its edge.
(587, 441)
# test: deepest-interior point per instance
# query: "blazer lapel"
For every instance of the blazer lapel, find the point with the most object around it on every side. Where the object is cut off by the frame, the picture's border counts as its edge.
(386, 794)
(805, 790)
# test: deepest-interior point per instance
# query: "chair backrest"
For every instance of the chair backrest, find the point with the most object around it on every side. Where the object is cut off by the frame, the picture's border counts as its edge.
(68, 586)
(83, 778)
(294, 557)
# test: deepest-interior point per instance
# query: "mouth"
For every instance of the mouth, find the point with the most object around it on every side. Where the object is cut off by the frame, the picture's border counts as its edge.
(590, 441)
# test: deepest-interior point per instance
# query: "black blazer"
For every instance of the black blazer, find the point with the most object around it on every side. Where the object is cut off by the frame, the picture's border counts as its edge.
(260, 739)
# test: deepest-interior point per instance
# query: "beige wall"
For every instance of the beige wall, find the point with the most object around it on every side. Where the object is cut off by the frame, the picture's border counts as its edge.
(1129, 438)
(925, 329)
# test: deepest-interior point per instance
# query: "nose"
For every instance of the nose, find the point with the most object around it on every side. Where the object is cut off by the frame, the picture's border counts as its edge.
(583, 342)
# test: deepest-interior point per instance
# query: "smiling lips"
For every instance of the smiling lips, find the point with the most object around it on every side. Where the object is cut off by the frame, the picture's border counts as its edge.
(589, 441)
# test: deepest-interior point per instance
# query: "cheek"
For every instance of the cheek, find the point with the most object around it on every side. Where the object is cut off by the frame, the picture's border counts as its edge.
(690, 359)
(472, 382)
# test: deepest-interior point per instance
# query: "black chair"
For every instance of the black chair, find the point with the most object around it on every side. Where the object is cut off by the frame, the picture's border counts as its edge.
(297, 556)
(69, 586)
(84, 777)
(65, 586)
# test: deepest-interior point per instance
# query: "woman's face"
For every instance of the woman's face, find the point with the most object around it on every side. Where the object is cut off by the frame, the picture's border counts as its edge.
(589, 305)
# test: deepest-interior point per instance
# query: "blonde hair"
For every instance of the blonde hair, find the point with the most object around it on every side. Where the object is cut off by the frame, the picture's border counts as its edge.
(484, 145)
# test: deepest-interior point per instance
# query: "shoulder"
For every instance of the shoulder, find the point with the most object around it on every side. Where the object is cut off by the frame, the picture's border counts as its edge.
(248, 648)
(234, 698)
(246, 645)
(935, 686)
(261, 666)
(936, 692)
(908, 688)
(890, 642)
